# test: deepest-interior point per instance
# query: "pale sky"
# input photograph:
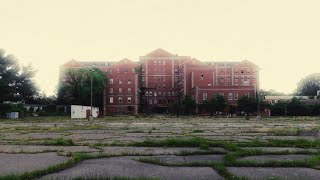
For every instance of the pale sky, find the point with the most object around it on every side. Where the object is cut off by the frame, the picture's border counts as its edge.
(280, 36)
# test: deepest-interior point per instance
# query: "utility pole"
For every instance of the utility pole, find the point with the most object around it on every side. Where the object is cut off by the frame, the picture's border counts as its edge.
(91, 117)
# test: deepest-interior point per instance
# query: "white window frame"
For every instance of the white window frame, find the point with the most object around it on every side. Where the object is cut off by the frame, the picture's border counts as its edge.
(204, 96)
(111, 81)
(111, 100)
(129, 100)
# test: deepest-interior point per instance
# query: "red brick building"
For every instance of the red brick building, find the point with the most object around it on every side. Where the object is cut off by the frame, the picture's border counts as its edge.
(165, 77)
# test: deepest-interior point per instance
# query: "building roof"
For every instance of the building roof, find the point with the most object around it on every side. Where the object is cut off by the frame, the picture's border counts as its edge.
(284, 97)
(160, 53)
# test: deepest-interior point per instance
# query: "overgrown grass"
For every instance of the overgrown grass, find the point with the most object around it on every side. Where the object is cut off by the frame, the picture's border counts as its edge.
(59, 142)
(198, 131)
(116, 178)
(300, 143)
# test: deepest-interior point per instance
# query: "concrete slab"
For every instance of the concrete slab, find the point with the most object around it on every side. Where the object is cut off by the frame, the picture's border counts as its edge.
(126, 167)
(37, 149)
(281, 173)
(20, 163)
(171, 159)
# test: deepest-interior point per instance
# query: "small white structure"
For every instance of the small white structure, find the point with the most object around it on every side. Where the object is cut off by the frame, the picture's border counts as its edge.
(83, 111)
(12, 115)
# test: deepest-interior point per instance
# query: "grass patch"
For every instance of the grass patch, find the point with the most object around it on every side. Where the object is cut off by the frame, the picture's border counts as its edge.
(223, 171)
(59, 142)
(300, 143)
(117, 178)
(173, 142)
(198, 131)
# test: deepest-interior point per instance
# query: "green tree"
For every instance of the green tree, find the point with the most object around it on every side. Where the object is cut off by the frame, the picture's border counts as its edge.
(216, 103)
(247, 104)
(16, 83)
(309, 85)
(188, 104)
(296, 108)
(76, 88)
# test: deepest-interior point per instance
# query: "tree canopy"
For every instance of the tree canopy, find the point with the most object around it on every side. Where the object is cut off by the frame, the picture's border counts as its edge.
(16, 83)
(216, 103)
(247, 104)
(76, 87)
(309, 85)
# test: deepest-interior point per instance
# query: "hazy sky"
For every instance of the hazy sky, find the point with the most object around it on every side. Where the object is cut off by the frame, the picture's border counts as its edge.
(280, 36)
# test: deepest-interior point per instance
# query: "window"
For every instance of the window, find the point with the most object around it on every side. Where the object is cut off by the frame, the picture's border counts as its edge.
(120, 99)
(120, 90)
(111, 100)
(111, 90)
(118, 70)
(164, 93)
(228, 79)
(143, 79)
(120, 81)
(221, 94)
(176, 79)
(150, 93)
(230, 96)
(129, 99)
(175, 71)
(164, 86)
(164, 78)
(132, 70)
(248, 71)
(236, 79)
(159, 93)
(147, 93)
(236, 71)
(248, 79)
(129, 90)
(201, 77)
(125, 70)
(155, 101)
(242, 71)
(155, 93)
(247, 94)
(169, 93)
(129, 81)
(163, 62)
(236, 95)
(164, 71)
(142, 70)
(159, 62)
(222, 79)
(155, 62)
(241, 79)
(111, 81)
(205, 96)
(110, 71)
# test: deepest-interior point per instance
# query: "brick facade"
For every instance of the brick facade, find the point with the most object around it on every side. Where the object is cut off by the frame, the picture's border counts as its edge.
(165, 77)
